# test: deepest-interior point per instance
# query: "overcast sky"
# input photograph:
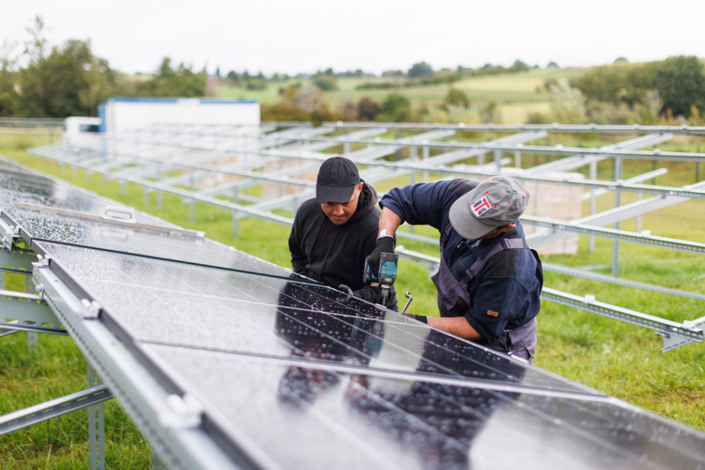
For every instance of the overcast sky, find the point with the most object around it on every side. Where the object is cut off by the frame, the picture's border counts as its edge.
(373, 35)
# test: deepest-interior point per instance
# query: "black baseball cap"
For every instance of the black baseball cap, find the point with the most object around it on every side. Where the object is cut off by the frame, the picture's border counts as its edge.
(336, 180)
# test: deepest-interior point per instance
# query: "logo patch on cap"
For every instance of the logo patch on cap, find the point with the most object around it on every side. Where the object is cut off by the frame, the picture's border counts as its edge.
(492, 313)
(480, 206)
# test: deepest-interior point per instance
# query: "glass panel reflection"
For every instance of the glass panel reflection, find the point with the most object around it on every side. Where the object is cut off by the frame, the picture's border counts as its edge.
(302, 416)
(179, 304)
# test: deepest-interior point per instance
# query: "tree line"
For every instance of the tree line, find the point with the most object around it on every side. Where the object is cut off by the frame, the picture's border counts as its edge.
(69, 80)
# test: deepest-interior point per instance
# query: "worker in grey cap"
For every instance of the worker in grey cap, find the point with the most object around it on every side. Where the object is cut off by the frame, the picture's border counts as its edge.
(489, 280)
(334, 232)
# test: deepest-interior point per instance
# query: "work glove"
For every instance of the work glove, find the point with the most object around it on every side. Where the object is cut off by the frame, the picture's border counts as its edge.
(385, 244)
(421, 318)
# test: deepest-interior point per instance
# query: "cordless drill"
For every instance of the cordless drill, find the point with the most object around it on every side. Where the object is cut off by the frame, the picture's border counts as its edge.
(385, 277)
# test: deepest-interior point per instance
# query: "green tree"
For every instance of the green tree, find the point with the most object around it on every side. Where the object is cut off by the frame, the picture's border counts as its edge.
(395, 108)
(70, 81)
(456, 97)
(420, 69)
(681, 84)
(618, 83)
(233, 76)
(519, 66)
(182, 81)
(8, 95)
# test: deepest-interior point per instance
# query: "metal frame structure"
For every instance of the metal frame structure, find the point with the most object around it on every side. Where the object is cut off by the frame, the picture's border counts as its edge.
(193, 162)
(25, 311)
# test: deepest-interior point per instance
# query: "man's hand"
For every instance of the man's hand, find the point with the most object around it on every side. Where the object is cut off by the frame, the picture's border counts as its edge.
(384, 245)
(421, 318)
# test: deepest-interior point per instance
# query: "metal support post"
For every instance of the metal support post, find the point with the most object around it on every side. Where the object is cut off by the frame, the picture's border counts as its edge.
(96, 426)
(160, 200)
(236, 231)
(498, 159)
(145, 195)
(639, 197)
(517, 158)
(123, 191)
(157, 462)
(593, 203)
(192, 212)
(32, 336)
(617, 203)
(426, 153)
(414, 157)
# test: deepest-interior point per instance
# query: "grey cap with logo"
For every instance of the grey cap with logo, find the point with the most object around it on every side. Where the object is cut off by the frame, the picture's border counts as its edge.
(495, 202)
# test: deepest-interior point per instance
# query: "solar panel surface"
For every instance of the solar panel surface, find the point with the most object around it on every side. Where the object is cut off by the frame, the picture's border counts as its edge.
(312, 378)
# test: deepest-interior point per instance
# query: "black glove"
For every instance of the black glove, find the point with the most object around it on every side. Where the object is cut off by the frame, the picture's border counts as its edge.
(421, 318)
(384, 245)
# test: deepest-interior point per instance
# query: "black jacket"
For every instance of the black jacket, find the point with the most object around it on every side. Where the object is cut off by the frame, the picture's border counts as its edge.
(335, 254)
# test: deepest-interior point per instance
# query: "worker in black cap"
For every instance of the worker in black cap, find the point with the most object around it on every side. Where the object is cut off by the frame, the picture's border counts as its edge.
(334, 232)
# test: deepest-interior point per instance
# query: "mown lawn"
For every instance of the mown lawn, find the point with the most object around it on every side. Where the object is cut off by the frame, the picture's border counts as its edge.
(614, 357)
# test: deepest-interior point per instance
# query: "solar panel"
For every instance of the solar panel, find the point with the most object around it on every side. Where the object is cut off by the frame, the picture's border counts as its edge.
(284, 372)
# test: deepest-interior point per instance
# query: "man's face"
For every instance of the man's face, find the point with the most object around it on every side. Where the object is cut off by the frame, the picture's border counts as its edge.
(340, 212)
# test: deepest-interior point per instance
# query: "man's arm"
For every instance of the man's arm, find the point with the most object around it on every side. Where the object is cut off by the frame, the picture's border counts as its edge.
(389, 222)
(298, 257)
(457, 326)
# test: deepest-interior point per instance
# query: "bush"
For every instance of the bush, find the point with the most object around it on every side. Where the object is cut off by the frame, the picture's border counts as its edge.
(376, 86)
(536, 117)
(256, 84)
(567, 105)
(395, 108)
(681, 84)
(325, 82)
(367, 110)
(490, 113)
(456, 97)
(283, 112)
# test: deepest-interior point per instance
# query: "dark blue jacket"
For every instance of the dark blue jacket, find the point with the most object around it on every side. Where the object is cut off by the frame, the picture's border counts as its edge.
(505, 293)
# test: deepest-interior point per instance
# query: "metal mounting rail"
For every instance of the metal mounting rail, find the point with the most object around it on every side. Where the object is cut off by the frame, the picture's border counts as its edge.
(674, 334)
(21, 419)
(558, 269)
(539, 149)
(420, 166)
(27, 312)
(286, 221)
(181, 434)
(642, 239)
(555, 127)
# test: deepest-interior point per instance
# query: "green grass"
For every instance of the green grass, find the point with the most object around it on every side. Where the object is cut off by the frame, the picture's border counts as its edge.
(608, 355)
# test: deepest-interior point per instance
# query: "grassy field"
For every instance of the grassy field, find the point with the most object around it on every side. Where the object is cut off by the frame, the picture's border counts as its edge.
(515, 94)
(614, 357)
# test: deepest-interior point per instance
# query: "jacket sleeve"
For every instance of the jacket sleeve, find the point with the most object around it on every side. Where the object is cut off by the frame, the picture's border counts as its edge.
(422, 203)
(298, 257)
